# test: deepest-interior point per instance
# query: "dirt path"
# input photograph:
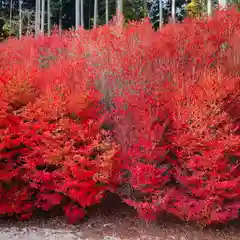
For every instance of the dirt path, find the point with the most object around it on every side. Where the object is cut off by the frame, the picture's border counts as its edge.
(119, 225)
(111, 221)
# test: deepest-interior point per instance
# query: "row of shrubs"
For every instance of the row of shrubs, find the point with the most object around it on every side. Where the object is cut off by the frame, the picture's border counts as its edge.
(151, 116)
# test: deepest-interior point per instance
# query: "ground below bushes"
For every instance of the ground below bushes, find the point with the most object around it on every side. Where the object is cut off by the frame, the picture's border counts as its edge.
(112, 221)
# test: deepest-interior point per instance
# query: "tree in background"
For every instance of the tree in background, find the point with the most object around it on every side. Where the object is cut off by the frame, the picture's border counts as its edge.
(22, 22)
(10, 17)
(77, 12)
(49, 16)
(120, 6)
(199, 8)
(82, 13)
(16, 15)
(66, 13)
(236, 3)
(106, 11)
(37, 17)
(195, 9)
(173, 11)
(153, 7)
(95, 17)
(134, 10)
(209, 7)
(42, 16)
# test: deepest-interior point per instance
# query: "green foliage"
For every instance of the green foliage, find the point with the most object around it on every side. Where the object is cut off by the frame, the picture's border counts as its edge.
(195, 8)
(134, 10)
(5, 31)
(236, 3)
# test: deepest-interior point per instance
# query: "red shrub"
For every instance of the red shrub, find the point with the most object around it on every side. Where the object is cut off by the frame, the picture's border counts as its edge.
(53, 150)
(170, 100)
(200, 104)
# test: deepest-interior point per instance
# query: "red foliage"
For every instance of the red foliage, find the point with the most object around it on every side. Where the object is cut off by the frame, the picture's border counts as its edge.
(74, 213)
(190, 84)
(171, 99)
(53, 150)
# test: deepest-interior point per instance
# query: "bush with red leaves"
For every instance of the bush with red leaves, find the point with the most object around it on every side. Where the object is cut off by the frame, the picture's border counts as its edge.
(151, 116)
(177, 115)
(54, 150)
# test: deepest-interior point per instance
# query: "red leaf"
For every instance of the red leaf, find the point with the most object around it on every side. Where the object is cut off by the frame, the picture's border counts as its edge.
(74, 213)
(25, 216)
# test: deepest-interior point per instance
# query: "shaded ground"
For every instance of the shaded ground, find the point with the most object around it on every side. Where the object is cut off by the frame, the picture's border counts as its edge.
(115, 223)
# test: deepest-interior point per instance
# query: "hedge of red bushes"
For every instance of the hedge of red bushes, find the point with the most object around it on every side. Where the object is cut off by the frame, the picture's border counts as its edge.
(151, 116)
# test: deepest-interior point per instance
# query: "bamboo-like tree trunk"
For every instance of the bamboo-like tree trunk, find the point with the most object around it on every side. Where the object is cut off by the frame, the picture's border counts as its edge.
(28, 22)
(20, 19)
(42, 16)
(89, 14)
(145, 8)
(160, 14)
(95, 17)
(37, 17)
(173, 11)
(60, 18)
(77, 12)
(82, 13)
(223, 3)
(49, 17)
(120, 6)
(10, 17)
(209, 7)
(106, 12)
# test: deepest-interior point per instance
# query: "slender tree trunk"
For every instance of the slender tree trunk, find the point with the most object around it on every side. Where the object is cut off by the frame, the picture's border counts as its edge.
(20, 18)
(145, 8)
(60, 18)
(82, 13)
(95, 18)
(119, 9)
(49, 17)
(43, 16)
(77, 12)
(209, 7)
(28, 22)
(106, 12)
(120, 6)
(37, 17)
(223, 3)
(160, 14)
(174, 11)
(10, 17)
(89, 15)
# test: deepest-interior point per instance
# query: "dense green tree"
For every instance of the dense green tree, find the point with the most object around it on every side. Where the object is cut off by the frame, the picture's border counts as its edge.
(63, 12)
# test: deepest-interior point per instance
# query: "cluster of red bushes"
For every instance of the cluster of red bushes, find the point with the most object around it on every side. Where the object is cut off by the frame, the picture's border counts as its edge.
(151, 116)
